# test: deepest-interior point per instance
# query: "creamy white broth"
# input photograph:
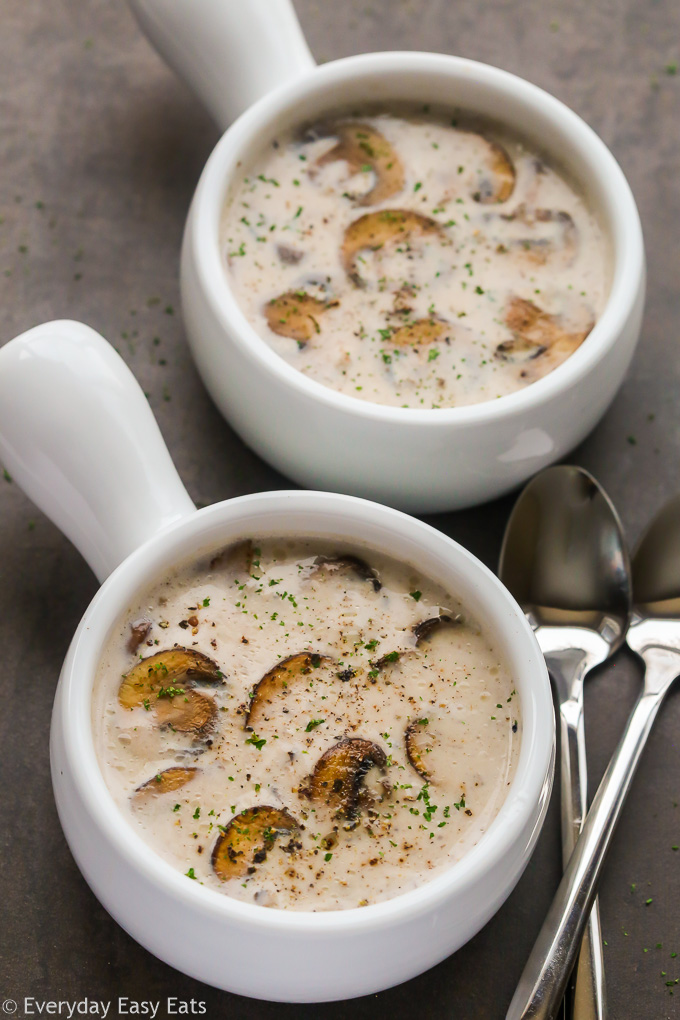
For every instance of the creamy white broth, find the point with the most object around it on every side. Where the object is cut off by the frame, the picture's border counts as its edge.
(472, 283)
(438, 706)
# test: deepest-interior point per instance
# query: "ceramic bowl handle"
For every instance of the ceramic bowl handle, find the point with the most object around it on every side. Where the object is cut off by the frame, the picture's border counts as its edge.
(230, 52)
(78, 436)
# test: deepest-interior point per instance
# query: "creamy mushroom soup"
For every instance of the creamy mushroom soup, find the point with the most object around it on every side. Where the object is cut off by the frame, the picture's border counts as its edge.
(299, 724)
(414, 260)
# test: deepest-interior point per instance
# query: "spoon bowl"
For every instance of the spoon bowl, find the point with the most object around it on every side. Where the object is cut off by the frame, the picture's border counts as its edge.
(656, 566)
(565, 560)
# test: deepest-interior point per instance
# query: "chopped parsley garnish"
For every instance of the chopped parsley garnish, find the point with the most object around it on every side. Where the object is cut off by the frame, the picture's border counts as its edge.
(170, 692)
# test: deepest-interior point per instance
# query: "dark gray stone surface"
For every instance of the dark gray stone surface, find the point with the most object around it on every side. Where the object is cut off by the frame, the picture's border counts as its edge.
(101, 148)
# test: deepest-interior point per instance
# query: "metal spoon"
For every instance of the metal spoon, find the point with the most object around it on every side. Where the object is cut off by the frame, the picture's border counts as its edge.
(564, 558)
(654, 635)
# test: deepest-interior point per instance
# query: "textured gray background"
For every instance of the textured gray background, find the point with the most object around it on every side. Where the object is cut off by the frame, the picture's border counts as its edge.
(101, 149)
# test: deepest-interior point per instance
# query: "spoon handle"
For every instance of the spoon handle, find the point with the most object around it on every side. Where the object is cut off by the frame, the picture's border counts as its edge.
(587, 997)
(547, 971)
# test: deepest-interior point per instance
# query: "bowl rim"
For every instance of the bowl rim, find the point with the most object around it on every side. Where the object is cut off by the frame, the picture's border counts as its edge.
(623, 228)
(526, 800)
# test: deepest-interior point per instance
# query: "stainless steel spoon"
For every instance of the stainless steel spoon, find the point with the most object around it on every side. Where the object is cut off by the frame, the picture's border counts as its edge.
(564, 558)
(654, 635)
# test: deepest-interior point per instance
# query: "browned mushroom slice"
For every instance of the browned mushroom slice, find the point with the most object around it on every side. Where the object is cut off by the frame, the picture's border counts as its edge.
(248, 838)
(186, 712)
(166, 781)
(377, 229)
(354, 564)
(295, 314)
(277, 683)
(361, 146)
(339, 774)
(158, 674)
(498, 183)
(420, 333)
(163, 682)
(426, 628)
(419, 742)
(558, 236)
(537, 333)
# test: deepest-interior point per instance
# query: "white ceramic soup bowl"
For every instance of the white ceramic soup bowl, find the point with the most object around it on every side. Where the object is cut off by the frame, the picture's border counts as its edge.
(77, 434)
(234, 55)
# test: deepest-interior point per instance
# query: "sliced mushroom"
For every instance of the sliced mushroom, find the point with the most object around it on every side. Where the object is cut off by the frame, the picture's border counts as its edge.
(420, 333)
(295, 314)
(248, 838)
(166, 781)
(163, 682)
(360, 146)
(419, 742)
(426, 628)
(188, 712)
(562, 240)
(537, 334)
(377, 229)
(498, 184)
(339, 774)
(277, 683)
(354, 564)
